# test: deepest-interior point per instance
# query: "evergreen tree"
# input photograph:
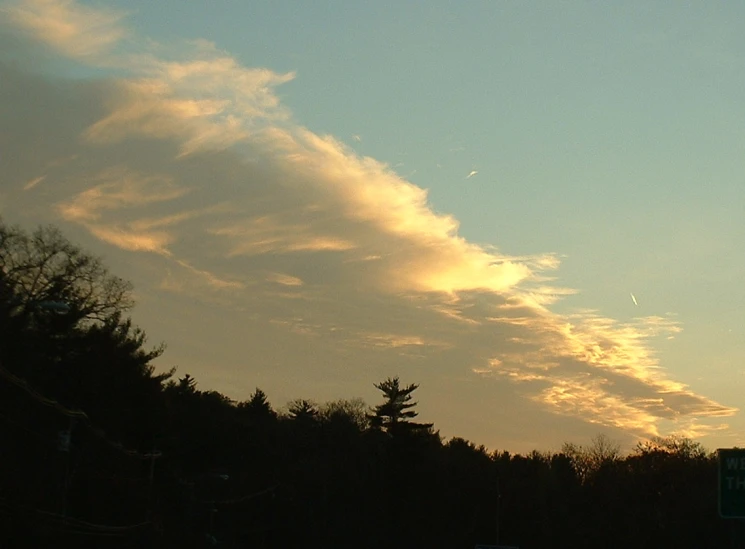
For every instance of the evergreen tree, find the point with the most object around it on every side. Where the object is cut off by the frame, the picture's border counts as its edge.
(257, 406)
(302, 410)
(397, 411)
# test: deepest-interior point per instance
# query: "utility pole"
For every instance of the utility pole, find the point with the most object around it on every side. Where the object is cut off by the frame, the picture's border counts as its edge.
(499, 496)
(64, 445)
(150, 495)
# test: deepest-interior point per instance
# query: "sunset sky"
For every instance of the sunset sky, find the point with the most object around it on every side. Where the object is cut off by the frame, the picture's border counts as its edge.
(535, 210)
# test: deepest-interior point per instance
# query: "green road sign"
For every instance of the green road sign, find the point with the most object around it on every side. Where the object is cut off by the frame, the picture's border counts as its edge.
(731, 483)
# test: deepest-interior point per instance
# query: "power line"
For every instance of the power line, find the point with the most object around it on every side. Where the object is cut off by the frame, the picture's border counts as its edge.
(23, 427)
(81, 526)
(246, 497)
(74, 414)
(92, 526)
(36, 395)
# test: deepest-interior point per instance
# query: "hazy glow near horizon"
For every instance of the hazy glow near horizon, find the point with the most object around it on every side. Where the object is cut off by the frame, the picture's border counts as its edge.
(309, 199)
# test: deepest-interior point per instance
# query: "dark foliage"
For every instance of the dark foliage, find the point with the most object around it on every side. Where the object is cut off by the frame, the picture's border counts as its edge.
(100, 450)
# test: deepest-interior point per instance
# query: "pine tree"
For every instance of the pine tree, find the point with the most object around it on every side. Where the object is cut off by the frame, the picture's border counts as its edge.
(397, 411)
(257, 407)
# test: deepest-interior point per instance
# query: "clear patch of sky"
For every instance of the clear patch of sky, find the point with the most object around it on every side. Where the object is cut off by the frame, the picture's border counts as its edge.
(609, 133)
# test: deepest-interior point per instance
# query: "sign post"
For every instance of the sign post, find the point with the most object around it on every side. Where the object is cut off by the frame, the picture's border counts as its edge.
(731, 483)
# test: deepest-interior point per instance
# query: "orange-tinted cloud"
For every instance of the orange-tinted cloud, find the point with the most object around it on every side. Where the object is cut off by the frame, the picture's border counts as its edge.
(324, 252)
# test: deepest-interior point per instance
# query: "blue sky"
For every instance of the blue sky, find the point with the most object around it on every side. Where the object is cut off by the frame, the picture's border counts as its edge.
(607, 142)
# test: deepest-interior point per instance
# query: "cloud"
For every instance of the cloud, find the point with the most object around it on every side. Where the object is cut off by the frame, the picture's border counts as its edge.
(117, 189)
(72, 28)
(33, 183)
(284, 279)
(328, 265)
(267, 234)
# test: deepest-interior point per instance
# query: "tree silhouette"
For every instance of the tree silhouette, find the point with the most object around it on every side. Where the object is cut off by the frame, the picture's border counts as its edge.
(320, 476)
(349, 412)
(257, 406)
(45, 267)
(397, 410)
(186, 385)
(302, 410)
(72, 365)
(587, 461)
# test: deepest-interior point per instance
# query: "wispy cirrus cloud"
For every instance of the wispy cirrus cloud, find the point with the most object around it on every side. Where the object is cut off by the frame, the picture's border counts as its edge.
(194, 160)
(70, 27)
(121, 190)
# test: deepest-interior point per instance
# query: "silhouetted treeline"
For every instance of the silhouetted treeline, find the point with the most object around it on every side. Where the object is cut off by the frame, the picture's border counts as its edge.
(98, 449)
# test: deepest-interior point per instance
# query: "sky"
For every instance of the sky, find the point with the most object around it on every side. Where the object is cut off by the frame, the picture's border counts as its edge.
(532, 210)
